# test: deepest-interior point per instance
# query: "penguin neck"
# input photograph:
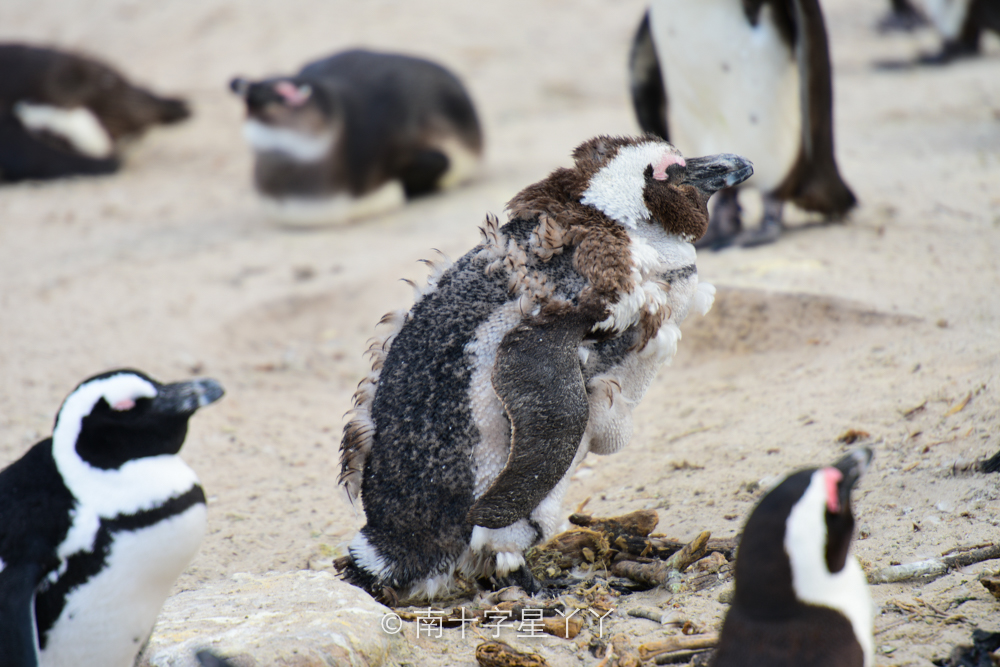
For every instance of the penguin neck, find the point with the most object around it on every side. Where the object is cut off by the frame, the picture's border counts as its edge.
(764, 579)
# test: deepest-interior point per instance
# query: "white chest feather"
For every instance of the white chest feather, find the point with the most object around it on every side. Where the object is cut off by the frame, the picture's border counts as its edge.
(847, 590)
(731, 87)
(106, 621)
(301, 146)
(79, 126)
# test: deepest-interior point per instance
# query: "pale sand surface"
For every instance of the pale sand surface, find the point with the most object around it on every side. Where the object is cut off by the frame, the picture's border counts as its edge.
(171, 268)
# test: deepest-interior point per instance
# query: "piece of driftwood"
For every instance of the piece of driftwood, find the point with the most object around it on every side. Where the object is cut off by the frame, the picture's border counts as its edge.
(656, 615)
(650, 650)
(692, 551)
(663, 573)
(641, 523)
(992, 584)
(933, 567)
(499, 654)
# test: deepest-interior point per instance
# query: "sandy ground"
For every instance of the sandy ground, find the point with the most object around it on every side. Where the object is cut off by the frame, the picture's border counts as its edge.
(171, 268)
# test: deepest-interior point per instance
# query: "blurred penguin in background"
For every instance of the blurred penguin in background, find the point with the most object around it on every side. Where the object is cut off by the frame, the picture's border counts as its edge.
(356, 134)
(960, 23)
(62, 114)
(752, 77)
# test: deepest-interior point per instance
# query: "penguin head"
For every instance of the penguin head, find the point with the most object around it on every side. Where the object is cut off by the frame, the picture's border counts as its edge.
(795, 544)
(288, 102)
(122, 415)
(647, 181)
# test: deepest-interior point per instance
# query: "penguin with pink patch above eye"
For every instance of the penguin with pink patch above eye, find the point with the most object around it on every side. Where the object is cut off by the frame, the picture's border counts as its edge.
(357, 134)
(801, 597)
(519, 359)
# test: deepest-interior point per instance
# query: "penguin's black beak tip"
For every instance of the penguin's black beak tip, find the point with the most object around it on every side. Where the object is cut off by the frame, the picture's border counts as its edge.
(715, 172)
(187, 397)
(852, 467)
(239, 85)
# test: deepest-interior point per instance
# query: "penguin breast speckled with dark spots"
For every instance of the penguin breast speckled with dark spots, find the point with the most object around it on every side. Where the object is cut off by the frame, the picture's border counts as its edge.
(521, 357)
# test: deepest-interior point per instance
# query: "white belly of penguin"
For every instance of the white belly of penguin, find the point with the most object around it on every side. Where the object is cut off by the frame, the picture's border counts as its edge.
(105, 622)
(731, 87)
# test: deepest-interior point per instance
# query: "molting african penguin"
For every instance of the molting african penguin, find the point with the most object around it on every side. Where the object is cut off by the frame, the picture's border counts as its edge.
(751, 76)
(355, 134)
(97, 522)
(801, 598)
(521, 357)
(961, 24)
(62, 114)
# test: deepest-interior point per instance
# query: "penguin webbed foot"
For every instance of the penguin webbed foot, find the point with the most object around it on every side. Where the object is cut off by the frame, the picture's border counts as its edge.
(903, 17)
(521, 577)
(950, 52)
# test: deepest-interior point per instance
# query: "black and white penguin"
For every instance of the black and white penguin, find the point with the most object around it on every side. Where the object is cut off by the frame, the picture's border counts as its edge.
(355, 134)
(801, 597)
(961, 24)
(521, 357)
(62, 114)
(98, 521)
(753, 77)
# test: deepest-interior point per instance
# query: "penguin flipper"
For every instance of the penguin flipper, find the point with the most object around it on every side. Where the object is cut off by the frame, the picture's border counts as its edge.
(649, 97)
(814, 182)
(538, 380)
(18, 582)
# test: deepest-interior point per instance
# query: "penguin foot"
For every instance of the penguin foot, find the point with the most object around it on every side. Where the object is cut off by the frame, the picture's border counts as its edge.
(725, 224)
(769, 232)
(903, 19)
(520, 577)
(951, 51)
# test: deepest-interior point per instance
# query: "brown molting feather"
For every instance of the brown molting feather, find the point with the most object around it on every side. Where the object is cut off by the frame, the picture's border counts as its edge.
(690, 219)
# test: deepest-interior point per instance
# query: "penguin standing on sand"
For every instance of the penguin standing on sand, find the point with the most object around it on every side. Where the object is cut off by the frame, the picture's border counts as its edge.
(801, 598)
(961, 24)
(521, 357)
(356, 134)
(97, 522)
(752, 76)
(62, 114)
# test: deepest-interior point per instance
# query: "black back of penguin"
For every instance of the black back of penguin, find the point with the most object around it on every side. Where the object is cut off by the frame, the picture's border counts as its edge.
(101, 512)
(801, 599)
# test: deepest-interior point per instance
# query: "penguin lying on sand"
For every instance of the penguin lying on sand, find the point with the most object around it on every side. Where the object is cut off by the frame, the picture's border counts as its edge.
(518, 359)
(801, 598)
(62, 114)
(97, 522)
(751, 76)
(357, 133)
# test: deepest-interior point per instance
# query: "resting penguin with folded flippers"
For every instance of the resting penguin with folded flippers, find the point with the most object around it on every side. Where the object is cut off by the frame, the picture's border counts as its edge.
(98, 521)
(356, 134)
(801, 598)
(63, 114)
(518, 359)
(961, 24)
(753, 77)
